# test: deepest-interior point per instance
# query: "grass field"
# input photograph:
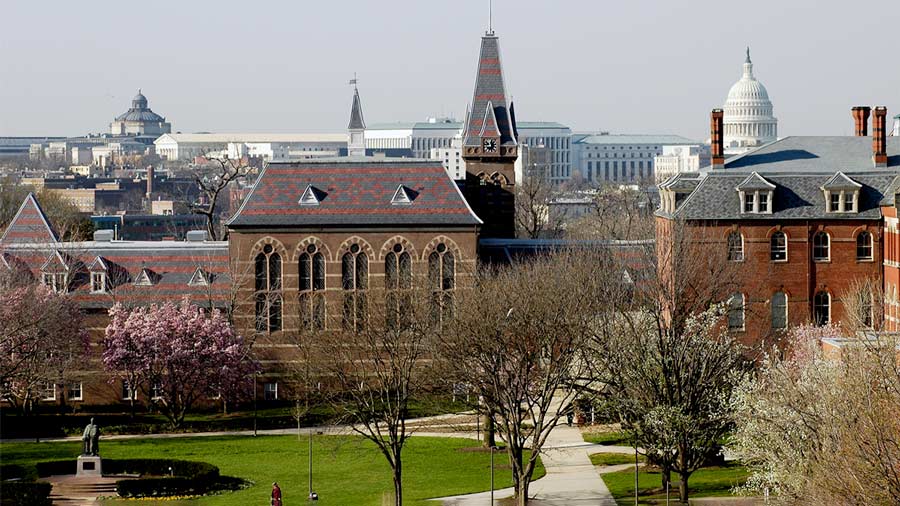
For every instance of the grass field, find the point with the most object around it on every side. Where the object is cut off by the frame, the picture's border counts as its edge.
(346, 469)
(613, 459)
(612, 438)
(707, 482)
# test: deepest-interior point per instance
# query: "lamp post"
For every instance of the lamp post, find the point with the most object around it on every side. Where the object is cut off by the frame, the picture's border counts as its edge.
(492, 474)
(255, 381)
(635, 473)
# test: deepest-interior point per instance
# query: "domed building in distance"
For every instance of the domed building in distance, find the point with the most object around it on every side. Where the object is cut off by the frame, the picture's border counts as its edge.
(748, 121)
(140, 120)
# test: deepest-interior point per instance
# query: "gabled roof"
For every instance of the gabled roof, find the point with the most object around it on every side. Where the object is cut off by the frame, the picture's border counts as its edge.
(489, 123)
(98, 265)
(755, 182)
(358, 192)
(199, 278)
(356, 114)
(489, 98)
(29, 225)
(145, 277)
(403, 196)
(840, 181)
(56, 262)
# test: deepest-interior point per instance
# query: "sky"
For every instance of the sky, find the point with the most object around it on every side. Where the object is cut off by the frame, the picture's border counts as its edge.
(68, 68)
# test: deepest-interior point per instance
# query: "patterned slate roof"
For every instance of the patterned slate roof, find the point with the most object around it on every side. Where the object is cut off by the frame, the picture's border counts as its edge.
(353, 191)
(29, 225)
(489, 103)
(172, 263)
(799, 167)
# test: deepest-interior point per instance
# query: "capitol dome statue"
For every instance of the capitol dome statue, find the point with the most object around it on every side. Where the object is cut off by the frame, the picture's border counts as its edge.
(748, 118)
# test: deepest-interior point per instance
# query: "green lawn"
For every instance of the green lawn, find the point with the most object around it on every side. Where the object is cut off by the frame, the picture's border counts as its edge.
(612, 438)
(613, 459)
(346, 470)
(707, 482)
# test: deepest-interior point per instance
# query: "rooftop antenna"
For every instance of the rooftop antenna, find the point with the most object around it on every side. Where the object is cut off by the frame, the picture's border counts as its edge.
(490, 17)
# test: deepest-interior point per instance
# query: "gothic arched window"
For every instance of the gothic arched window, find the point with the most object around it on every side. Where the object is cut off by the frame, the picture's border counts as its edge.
(822, 308)
(312, 288)
(267, 267)
(354, 283)
(441, 281)
(397, 284)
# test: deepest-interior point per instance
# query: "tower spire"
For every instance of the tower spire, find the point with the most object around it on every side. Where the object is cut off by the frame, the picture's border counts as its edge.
(356, 145)
(748, 65)
(490, 17)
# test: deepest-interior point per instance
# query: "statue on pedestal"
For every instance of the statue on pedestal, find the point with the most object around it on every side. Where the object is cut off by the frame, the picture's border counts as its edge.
(91, 439)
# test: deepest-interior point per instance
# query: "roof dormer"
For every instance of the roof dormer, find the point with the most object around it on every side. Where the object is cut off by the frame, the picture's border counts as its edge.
(312, 196)
(403, 196)
(55, 272)
(200, 278)
(99, 272)
(146, 278)
(841, 194)
(756, 195)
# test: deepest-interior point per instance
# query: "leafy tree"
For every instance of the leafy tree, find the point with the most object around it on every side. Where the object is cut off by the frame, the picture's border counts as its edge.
(62, 214)
(176, 354)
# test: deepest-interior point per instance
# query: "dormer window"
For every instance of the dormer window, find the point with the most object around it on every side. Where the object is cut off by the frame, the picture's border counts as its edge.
(98, 282)
(56, 281)
(841, 194)
(756, 194)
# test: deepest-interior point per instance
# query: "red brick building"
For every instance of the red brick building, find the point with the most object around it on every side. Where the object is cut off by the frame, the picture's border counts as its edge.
(804, 217)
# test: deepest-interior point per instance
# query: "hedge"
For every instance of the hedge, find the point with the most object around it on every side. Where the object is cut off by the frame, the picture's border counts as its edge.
(17, 472)
(24, 493)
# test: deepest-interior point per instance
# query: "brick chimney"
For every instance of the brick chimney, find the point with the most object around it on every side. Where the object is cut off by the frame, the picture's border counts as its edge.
(149, 182)
(860, 120)
(717, 142)
(879, 137)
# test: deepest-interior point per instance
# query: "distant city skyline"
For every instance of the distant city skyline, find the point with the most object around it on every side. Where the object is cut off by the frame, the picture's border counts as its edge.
(648, 67)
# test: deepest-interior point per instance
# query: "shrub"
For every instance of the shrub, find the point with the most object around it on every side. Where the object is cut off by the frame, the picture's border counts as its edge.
(17, 472)
(159, 487)
(20, 493)
(56, 467)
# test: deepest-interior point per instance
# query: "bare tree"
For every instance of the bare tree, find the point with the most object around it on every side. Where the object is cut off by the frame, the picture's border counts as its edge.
(620, 213)
(378, 363)
(213, 179)
(534, 216)
(519, 339)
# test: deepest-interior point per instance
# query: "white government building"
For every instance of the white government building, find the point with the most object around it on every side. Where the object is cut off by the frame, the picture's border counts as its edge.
(749, 120)
(267, 146)
(621, 158)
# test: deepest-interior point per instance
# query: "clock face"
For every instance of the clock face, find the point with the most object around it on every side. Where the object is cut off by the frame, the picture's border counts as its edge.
(489, 145)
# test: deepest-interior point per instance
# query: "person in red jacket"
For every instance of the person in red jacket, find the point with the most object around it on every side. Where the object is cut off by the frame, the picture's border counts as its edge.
(276, 494)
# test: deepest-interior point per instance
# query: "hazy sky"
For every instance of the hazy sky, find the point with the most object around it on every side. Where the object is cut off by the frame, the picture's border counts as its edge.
(68, 68)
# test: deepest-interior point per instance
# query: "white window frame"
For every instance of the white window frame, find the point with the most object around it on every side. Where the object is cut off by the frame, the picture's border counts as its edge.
(743, 312)
(828, 247)
(871, 246)
(69, 389)
(815, 306)
(771, 251)
(155, 392)
(48, 387)
(266, 389)
(101, 277)
(742, 256)
(131, 391)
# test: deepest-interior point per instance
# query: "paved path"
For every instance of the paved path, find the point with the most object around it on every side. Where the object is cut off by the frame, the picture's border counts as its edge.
(570, 480)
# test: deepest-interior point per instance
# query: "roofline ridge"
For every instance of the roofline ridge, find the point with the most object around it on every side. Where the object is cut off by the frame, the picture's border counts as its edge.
(250, 194)
(31, 196)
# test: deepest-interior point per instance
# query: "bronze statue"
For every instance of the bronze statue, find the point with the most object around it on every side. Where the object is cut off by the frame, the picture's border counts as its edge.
(90, 439)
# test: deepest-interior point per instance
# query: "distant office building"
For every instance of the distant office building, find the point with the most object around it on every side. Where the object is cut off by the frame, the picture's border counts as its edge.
(145, 227)
(20, 146)
(621, 158)
(139, 121)
(451, 159)
(749, 120)
(418, 140)
(238, 145)
(680, 159)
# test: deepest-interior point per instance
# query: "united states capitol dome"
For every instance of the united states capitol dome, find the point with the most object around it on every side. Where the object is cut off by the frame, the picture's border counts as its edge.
(749, 120)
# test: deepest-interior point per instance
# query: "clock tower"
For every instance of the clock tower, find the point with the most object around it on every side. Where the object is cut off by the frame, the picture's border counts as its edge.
(490, 146)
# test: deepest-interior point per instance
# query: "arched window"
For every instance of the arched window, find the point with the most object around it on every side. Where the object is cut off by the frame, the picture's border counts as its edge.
(778, 247)
(442, 281)
(267, 267)
(397, 283)
(821, 247)
(779, 310)
(822, 308)
(311, 266)
(354, 283)
(864, 246)
(736, 312)
(735, 247)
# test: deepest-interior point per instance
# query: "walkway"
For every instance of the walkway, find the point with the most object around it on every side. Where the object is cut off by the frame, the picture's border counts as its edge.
(570, 480)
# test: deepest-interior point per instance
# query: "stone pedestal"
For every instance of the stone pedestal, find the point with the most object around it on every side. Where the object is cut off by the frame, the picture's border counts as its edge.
(89, 465)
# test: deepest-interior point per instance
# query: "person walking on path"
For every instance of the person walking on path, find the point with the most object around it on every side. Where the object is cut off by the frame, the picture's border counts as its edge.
(276, 494)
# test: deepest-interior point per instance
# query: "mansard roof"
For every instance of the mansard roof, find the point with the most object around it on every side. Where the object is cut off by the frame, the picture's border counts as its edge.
(29, 226)
(799, 167)
(489, 102)
(353, 192)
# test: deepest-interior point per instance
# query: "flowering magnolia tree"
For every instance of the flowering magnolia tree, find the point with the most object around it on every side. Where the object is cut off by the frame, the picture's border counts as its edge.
(41, 338)
(176, 355)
